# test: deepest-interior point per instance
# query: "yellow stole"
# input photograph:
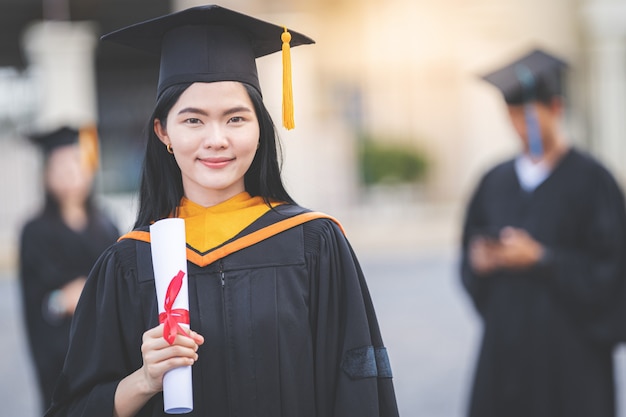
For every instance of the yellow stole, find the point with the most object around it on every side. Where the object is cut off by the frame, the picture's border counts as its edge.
(209, 227)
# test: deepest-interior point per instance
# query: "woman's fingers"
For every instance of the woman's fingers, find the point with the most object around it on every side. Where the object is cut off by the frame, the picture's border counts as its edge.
(153, 371)
(159, 356)
(197, 337)
(156, 349)
(161, 360)
(156, 333)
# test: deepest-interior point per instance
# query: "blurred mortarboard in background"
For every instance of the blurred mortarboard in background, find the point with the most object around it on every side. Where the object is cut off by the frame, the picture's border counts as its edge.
(536, 76)
(51, 140)
(86, 138)
(209, 44)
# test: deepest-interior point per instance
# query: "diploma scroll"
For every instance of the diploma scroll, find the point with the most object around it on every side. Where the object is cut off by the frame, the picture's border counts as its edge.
(169, 261)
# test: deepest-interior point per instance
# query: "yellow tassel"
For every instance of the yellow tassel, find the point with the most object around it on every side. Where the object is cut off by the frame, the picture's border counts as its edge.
(288, 119)
(89, 149)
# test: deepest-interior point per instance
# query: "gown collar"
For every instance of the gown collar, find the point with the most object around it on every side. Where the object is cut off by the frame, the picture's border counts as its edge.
(209, 227)
(531, 174)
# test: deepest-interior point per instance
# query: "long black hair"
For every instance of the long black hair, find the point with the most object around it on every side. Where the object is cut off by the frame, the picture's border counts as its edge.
(161, 186)
(52, 208)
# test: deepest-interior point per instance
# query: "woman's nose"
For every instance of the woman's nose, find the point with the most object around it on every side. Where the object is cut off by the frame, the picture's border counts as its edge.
(215, 137)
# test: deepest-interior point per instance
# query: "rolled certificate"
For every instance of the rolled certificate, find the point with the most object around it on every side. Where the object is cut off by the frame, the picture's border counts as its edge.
(169, 261)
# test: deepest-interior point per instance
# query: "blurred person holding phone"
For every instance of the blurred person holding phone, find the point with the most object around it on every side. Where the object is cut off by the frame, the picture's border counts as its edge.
(542, 258)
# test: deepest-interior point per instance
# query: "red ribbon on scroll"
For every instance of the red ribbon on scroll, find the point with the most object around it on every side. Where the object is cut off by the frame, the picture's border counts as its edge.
(172, 318)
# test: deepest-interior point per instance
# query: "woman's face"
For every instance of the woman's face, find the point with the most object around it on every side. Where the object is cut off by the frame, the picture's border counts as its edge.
(213, 131)
(66, 176)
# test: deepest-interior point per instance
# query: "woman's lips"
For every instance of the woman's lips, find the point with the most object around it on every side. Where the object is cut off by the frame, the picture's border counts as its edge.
(216, 162)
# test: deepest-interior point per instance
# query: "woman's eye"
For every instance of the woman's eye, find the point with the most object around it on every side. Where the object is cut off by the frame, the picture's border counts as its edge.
(193, 121)
(236, 119)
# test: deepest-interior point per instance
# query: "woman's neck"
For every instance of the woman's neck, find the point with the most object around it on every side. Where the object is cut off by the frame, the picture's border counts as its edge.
(74, 216)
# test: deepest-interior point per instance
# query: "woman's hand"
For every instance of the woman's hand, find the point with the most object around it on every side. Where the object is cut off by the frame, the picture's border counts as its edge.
(70, 294)
(158, 357)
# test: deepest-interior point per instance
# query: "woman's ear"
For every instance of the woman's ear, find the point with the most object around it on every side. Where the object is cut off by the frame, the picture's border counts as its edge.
(161, 132)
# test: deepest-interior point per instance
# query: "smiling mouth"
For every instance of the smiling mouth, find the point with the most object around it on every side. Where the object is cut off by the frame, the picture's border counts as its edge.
(215, 162)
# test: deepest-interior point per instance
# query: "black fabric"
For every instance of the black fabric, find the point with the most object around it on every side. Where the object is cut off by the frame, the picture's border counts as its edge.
(51, 255)
(276, 331)
(206, 44)
(545, 350)
(49, 141)
(535, 76)
(383, 365)
(367, 362)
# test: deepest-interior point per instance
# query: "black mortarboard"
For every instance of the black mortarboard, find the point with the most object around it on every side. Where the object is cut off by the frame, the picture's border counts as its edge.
(86, 138)
(207, 44)
(48, 141)
(536, 76)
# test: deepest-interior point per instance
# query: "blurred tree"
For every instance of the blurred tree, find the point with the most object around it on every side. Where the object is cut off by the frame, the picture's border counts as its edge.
(390, 161)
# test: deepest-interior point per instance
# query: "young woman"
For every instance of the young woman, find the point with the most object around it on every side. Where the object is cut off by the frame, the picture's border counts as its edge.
(58, 248)
(282, 321)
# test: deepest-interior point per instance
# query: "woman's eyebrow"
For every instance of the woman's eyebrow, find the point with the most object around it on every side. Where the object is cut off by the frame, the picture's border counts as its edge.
(193, 110)
(232, 110)
(237, 109)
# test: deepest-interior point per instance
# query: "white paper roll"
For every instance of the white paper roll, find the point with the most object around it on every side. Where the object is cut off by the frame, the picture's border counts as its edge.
(167, 241)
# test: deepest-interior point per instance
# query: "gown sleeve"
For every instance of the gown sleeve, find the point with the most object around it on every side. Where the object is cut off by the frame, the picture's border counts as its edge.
(39, 275)
(39, 270)
(98, 356)
(588, 277)
(353, 373)
(43, 268)
(474, 224)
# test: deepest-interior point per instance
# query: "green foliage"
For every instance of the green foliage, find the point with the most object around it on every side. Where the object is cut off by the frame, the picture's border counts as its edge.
(386, 162)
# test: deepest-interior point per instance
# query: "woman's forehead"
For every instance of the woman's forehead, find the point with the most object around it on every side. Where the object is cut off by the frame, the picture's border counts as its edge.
(214, 96)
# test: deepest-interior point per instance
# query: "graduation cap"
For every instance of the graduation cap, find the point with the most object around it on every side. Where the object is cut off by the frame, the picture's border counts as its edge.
(211, 43)
(86, 138)
(51, 140)
(536, 76)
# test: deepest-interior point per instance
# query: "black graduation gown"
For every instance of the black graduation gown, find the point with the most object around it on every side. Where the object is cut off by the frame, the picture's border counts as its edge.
(544, 351)
(288, 323)
(51, 255)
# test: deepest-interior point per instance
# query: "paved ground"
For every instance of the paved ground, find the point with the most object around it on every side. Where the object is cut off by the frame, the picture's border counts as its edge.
(17, 385)
(428, 325)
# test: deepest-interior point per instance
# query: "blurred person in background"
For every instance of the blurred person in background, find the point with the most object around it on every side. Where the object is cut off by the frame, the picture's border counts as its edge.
(59, 246)
(542, 255)
(282, 321)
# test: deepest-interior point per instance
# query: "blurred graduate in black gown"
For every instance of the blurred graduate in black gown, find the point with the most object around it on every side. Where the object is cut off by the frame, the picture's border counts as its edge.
(543, 248)
(58, 248)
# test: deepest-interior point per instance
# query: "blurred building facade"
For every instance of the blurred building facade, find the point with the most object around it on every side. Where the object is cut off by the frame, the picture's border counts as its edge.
(400, 70)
